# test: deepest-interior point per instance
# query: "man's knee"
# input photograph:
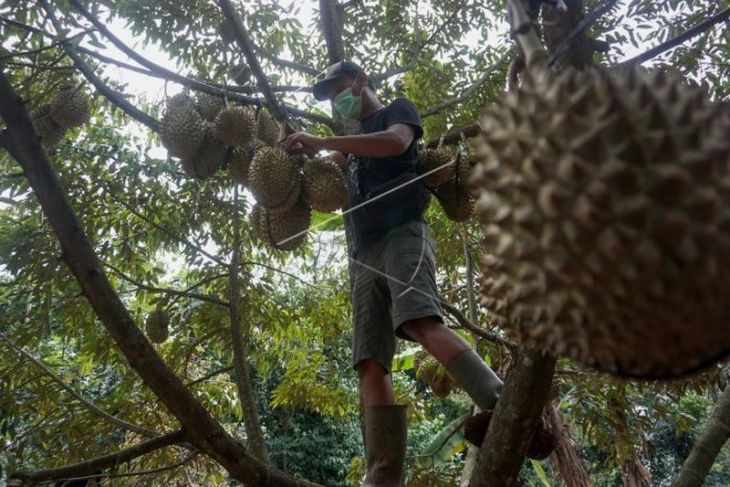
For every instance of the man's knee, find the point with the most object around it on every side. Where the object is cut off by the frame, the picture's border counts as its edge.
(370, 368)
(420, 328)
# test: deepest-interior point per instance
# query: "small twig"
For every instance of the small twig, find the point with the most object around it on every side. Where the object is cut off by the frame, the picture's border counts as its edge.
(90, 405)
(455, 136)
(467, 92)
(174, 292)
(474, 328)
(92, 466)
(679, 39)
(394, 70)
(124, 474)
(209, 375)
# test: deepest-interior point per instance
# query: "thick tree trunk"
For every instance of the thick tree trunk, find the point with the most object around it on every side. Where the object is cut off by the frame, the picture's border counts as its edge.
(515, 417)
(23, 144)
(331, 24)
(566, 458)
(239, 343)
(703, 454)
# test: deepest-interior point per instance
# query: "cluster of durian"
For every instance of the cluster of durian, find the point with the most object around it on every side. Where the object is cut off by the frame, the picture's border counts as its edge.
(448, 179)
(69, 108)
(431, 372)
(286, 189)
(605, 200)
(157, 326)
(207, 135)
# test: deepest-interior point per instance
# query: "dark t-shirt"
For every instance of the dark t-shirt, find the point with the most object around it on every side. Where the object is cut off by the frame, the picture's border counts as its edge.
(369, 177)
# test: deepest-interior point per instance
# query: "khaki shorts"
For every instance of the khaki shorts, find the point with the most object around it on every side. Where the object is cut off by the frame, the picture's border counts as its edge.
(393, 282)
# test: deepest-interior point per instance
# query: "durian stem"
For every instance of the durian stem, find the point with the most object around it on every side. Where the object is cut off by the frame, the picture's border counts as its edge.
(525, 34)
(708, 445)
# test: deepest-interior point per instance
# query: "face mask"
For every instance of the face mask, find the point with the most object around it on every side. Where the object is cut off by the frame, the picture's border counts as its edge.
(348, 104)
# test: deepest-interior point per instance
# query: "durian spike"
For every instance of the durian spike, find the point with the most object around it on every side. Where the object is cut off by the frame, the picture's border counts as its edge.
(526, 36)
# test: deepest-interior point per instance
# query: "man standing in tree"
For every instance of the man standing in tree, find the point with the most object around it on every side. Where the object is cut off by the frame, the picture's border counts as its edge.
(394, 289)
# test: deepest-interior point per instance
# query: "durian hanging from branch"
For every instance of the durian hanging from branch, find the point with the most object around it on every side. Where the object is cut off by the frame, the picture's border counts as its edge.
(605, 200)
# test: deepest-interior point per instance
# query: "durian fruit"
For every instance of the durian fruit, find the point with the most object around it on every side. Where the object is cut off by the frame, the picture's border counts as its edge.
(208, 106)
(235, 126)
(455, 196)
(268, 129)
(48, 130)
(208, 159)
(69, 107)
(430, 159)
(156, 326)
(240, 161)
(605, 200)
(282, 231)
(324, 187)
(274, 179)
(182, 129)
(434, 374)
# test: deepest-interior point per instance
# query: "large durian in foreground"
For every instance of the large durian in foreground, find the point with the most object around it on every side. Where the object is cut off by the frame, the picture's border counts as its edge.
(274, 179)
(324, 187)
(606, 204)
(282, 231)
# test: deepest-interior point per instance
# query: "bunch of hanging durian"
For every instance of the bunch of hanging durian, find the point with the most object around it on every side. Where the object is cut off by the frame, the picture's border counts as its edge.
(605, 199)
(286, 189)
(206, 133)
(447, 178)
(69, 108)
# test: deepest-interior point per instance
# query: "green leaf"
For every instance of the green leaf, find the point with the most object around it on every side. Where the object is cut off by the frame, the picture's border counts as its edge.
(540, 473)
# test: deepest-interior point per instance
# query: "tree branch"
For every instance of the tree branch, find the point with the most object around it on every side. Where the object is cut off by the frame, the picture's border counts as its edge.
(239, 343)
(394, 70)
(475, 329)
(467, 92)
(679, 39)
(455, 136)
(244, 42)
(89, 405)
(174, 292)
(708, 445)
(201, 429)
(113, 96)
(94, 465)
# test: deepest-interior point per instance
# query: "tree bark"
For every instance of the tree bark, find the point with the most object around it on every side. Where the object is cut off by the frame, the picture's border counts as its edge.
(634, 473)
(330, 18)
(239, 343)
(557, 25)
(94, 465)
(515, 417)
(202, 430)
(244, 42)
(708, 445)
(566, 459)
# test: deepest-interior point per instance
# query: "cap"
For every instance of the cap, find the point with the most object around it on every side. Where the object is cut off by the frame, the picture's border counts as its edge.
(333, 73)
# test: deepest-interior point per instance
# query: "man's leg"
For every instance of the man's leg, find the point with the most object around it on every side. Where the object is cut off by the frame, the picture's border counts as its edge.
(463, 363)
(376, 386)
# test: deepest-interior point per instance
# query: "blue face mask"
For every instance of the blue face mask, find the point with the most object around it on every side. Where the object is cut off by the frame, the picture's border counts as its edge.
(348, 105)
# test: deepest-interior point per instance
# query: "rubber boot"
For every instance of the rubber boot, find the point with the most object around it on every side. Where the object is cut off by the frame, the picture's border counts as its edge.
(385, 445)
(478, 381)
